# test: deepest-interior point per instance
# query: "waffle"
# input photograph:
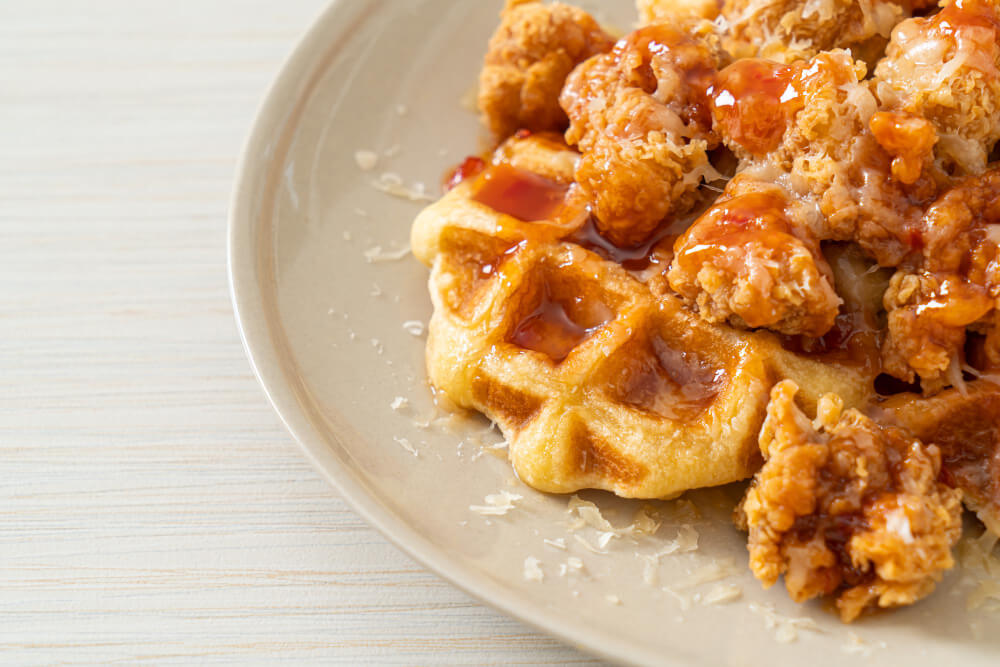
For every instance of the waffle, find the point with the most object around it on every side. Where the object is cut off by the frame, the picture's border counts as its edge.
(597, 375)
(962, 422)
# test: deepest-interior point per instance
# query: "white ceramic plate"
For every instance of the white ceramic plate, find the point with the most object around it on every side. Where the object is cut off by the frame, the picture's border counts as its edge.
(324, 328)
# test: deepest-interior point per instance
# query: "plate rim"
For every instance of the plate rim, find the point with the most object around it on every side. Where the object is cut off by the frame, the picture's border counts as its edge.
(260, 348)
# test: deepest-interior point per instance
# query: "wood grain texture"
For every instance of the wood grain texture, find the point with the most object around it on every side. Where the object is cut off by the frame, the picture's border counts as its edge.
(152, 507)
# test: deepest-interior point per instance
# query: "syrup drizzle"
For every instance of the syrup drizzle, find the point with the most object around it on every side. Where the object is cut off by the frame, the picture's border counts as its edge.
(636, 258)
(752, 100)
(551, 329)
(520, 194)
(470, 167)
(667, 382)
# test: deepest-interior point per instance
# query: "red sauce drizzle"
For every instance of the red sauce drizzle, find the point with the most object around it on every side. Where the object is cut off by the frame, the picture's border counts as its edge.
(751, 102)
(852, 339)
(974, 26)
(666, 381)
(551, 329)
(728, 223)
(635, 258)
(471, 166)
(487, 269)
(519, 193)
(964, 14)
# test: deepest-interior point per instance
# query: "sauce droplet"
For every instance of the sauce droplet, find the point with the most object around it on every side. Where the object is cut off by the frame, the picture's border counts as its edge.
(752, 101)
(521, 194)
(551, 328)
(471, 166)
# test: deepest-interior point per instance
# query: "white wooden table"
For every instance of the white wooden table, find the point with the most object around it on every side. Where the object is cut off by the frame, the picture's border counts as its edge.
(152, 507)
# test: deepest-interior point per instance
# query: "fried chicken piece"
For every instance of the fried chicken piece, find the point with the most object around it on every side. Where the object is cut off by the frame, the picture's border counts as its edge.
(788, 30)
(751, 260)
(928, 317)
(908, 139)
(530, 55)
(664, 11)
(807, 126)
(640, 117)
(953, 287)
(946, 69)
(846, 507)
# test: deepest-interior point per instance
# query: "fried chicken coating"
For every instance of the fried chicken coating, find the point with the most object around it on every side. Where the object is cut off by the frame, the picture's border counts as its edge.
(639, 115)
(789, 30)
(908, 139)
(954, 286)
(664, 11)
(807, 126)
(846, 507)
(750, 259)
(946, 68)
(529, 57)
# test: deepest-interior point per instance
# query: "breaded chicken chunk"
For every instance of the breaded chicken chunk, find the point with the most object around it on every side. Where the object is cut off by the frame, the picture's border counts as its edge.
(953, 288)
(528, 59)
(807, 126)
(946, 68)
(665, 11)
(788, 30)
(639, 115)
(751, 260)
(846, 507)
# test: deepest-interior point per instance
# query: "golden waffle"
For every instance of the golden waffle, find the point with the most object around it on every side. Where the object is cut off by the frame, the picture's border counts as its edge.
(962, 422)
(597, 376)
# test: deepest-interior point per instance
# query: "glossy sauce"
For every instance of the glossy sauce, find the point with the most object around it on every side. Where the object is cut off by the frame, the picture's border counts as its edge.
(752, 101)
(968, 435)
(550, 329)
(908, 139)
(470, 167)
(973, 25)
(853, 340)
(728, 224)
(957, 303)
(635, 258)
(750, 211)
(972, 462)
(489, 268)
(667, 381)
(520, 194)
(963, 14)
(720, 235)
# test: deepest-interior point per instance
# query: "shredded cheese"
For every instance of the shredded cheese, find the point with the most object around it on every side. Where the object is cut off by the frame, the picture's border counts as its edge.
(366, 160)
(376, 254)
(415, 328)
(785, 628)
(723, 593)
(533, 570)
(497, 504)
(392, 184)
(405, 444)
